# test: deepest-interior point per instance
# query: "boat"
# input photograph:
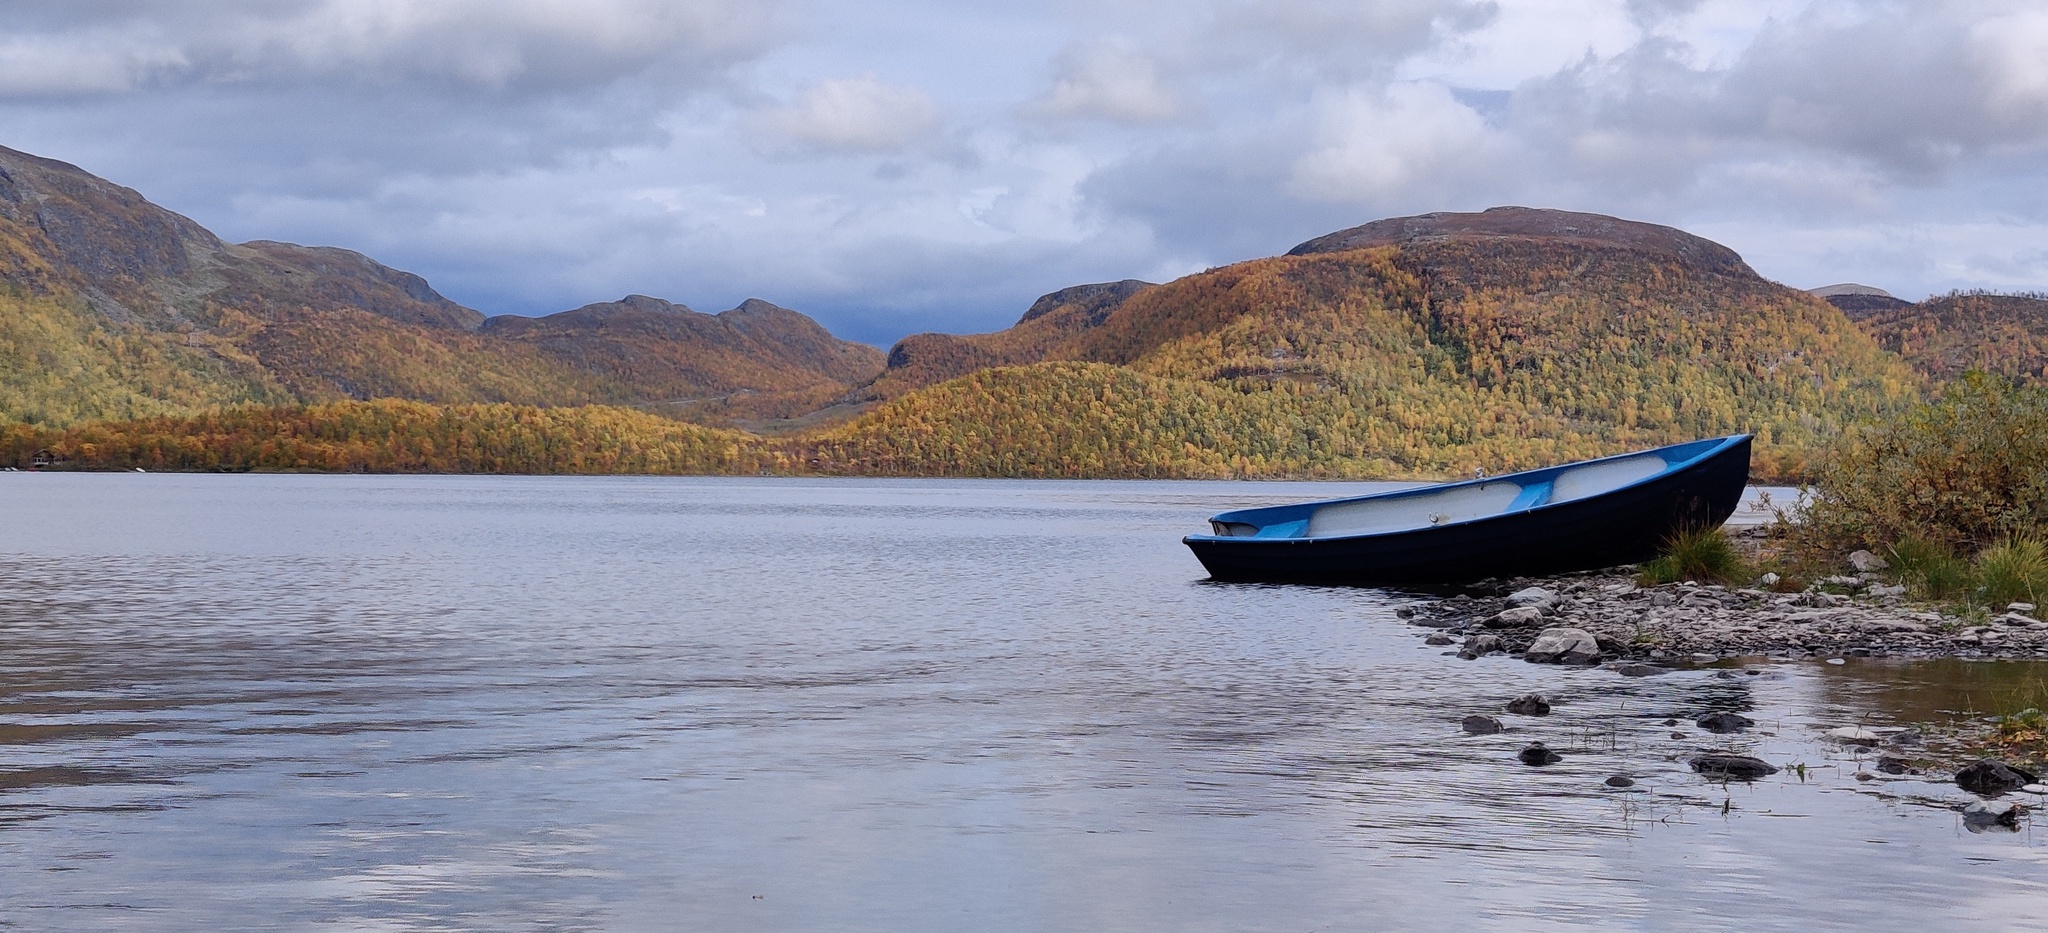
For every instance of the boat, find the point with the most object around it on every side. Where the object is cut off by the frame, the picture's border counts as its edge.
(1578, 516)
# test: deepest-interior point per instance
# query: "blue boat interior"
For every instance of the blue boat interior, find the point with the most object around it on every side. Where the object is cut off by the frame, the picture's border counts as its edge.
(1465, 501)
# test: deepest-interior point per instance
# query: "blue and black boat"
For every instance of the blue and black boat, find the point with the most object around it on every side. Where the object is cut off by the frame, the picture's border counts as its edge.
(1579, 516)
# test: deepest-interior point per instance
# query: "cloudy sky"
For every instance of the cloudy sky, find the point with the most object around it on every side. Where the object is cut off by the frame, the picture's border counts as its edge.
(890, 166)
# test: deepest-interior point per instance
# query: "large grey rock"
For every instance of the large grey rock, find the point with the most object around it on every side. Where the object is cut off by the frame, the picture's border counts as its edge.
(1564, 646)
(1534, 597)
(1479, 646)
(1866, 562)
(1515, 618)
(1730, 767)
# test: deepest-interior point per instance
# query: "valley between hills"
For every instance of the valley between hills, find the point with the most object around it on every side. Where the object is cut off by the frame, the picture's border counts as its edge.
(1409, 347)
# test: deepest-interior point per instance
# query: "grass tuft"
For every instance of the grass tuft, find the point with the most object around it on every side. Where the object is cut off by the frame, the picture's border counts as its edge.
(1700, 554)
(1931, 569)
(2015, 571)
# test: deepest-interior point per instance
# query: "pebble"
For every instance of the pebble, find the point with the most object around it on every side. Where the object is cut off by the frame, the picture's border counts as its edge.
(1706, 623)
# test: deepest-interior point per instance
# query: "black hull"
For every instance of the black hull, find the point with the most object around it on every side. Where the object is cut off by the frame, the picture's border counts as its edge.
(1626, 526)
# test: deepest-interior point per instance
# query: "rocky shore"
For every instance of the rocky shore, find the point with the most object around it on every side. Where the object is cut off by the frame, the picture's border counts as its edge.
(1606, 617)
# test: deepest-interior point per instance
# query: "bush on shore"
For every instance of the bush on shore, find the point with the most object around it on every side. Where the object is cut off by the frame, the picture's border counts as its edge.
(1700, 554)
(1955, 492)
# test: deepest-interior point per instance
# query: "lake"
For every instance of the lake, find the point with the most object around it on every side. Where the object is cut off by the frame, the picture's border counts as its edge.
(501, 703)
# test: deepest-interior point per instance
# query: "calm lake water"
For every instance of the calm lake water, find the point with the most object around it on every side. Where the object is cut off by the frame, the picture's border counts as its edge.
(262, 702)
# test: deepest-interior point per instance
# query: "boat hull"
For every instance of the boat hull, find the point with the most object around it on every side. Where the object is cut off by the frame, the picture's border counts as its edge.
(1625, 526)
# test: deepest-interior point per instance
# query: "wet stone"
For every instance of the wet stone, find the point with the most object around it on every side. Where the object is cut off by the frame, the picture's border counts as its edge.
(1529, 704)
(1538, 755)
(1982, 815)
(1724, 723)
(1620, 780)
(1482, 725)
(1987, 776)
(1732, 767)
(1893, 764)
(1437, 639)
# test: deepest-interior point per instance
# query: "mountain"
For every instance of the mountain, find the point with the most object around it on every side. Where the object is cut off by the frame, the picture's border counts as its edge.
(113, 307)
(1858, 301)
(1052, 323)
(1949, 334)
(1411, 346)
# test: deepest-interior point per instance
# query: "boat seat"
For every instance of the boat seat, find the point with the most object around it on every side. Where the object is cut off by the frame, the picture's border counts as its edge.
(1378, 516)
(1596, 478)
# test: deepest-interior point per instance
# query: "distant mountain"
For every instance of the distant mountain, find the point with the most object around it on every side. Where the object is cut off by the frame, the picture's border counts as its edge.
(1948, 335)
(1053, 324)
(113, 307)
(1419, 345)
(1858, 301)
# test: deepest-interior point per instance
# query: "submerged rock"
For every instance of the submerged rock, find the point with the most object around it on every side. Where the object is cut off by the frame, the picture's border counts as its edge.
(1620, 780)
(1564, 646)
(1538, 754)
(1478, 645)
(1729, 767)
(1437, 639)
(1482, 725)
(1854, 735)
(1724, 723)
(1989, 777)
(1529, 704)
(1633, 669)
(1893, 764)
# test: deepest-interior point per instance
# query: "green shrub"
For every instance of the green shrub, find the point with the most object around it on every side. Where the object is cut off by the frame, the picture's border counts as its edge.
(2015, 571)
(1702, 554)
(1964, 472)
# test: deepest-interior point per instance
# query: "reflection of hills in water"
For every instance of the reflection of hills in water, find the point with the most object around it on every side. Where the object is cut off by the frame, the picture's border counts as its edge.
(1936, 690)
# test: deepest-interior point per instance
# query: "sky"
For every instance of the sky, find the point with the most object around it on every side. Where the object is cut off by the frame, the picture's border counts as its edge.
(894, 166)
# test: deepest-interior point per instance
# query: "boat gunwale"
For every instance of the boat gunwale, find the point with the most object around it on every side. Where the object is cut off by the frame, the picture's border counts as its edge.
(1719, 446)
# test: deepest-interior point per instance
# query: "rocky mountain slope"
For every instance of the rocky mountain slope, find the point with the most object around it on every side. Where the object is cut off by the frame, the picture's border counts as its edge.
(112, 307)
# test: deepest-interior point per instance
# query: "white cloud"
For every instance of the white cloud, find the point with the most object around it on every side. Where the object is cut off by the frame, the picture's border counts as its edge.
(1378, 142)
(859, 115)
(1111, 80)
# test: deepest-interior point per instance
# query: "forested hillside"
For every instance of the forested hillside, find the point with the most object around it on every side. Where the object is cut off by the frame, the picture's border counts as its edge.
(1944, 337)
(111, 306)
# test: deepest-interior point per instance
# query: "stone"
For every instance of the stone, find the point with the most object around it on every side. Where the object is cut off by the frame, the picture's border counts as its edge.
(1620, 780)
(1867, 562)
(2025, 609)
(1515, 618)
(1563, 646)
(1724, 723)
(1633, 669)
(1981, 816)
(1893, 764)
(1880, 591)
(1731, 767)
(1482, 725)
(1905, 738)
(1768, 580)
(1989, 777)
(1538, 755)
(1529, 704)
(1437, 639)
(1534, 597)
(1479, 645)
(1854, 735)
